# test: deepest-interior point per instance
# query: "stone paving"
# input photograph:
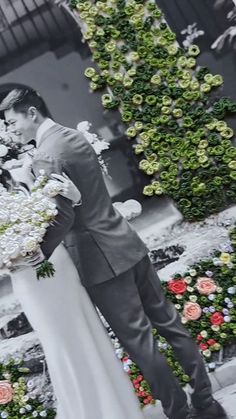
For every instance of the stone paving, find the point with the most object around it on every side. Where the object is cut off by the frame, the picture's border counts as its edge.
(224, 386)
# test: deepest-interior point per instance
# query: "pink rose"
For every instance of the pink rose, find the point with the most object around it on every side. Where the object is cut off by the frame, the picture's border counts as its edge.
(6, 392)
(192, 311)
(206, 286)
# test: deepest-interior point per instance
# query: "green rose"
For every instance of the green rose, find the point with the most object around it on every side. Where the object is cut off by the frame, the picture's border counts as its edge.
(217, 80)
(90, 72)
(177, 113)
(148, 190)
(139, 149)
(227, 133)
(193, 50)
(134, 56)
(232, 164)
(126, 116)
(172, 49)
(205, 87)
(137, 99)
(191, 62)
(151, 100)
(131, 132)
(138, 125)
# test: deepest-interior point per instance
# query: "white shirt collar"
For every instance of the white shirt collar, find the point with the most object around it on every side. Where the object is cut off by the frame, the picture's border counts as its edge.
(46, 124)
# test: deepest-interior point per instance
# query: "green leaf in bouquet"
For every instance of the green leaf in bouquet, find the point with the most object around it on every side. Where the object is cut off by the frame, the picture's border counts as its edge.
(45, 270)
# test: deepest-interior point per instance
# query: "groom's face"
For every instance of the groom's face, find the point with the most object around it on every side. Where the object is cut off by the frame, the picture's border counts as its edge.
(21, 124)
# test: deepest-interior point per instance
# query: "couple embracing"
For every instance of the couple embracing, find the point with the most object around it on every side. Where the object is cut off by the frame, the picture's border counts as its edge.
(99, 261)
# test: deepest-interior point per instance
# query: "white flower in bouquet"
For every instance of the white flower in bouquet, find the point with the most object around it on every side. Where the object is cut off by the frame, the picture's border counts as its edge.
(29, 244)
(3, 150)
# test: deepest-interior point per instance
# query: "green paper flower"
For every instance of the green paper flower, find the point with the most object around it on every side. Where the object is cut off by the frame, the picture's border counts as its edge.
(227, 133)
(137, 99)
(172, 49)
(134, 56)
(217, 80)
(232, 164)
(90, 72)
(193, 50)
(126, 116)
(205, 87)
(138, 149)
(131, 132)
(151, 100)
(148, 190)
(184, 84)
(177, 113)
(127, 81)
(110, 46)
(138, 125)
(143, 165)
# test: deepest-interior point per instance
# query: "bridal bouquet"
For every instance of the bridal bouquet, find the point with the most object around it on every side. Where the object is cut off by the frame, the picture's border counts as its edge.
(24, 221)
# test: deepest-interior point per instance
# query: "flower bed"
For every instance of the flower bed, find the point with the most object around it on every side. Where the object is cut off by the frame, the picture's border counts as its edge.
(205, 297)
(18, 399)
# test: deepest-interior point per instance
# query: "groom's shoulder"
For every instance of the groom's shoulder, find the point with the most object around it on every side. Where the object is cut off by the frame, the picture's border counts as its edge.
(68, 134)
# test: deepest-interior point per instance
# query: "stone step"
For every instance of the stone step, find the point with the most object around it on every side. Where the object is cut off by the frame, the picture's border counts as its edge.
(17, 347)
(14, 325)
(9, 305)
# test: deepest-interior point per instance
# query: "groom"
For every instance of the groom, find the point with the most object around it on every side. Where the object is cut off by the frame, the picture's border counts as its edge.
(112, 260)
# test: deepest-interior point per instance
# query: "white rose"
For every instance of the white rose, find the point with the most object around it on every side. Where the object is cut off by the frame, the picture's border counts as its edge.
(4, 217)
(3, 150)
(30, 244)
(12, 250)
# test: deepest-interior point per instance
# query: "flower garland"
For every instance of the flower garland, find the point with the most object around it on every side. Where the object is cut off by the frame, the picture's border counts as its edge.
(99, 145)
(205, 297)
(164, 97)
(17, 400)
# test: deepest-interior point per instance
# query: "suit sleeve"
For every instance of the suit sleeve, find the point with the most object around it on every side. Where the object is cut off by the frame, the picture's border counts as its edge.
(65, 217)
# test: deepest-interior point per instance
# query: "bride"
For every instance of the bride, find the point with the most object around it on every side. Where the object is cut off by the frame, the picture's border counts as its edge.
(88, 379)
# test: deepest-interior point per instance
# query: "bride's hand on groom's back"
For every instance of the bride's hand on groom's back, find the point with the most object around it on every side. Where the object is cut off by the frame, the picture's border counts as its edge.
(69, 190)
(28, 261)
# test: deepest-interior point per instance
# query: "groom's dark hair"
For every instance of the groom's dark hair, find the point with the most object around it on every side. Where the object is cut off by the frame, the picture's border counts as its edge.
(20, 100)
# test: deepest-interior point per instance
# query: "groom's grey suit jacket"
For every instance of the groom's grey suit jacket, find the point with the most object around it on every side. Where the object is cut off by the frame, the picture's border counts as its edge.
(100, 241)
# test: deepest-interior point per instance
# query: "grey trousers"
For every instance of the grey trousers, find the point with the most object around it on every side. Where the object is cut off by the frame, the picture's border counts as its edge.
(133, 304)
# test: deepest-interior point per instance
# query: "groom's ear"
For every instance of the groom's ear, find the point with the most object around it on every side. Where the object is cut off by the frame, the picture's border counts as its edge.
(32, 113)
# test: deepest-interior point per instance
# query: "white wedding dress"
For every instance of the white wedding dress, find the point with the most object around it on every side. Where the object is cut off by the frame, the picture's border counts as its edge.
(88, 379)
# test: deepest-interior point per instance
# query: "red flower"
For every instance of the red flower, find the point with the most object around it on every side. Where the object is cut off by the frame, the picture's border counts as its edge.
(177, 286)
(211, 342)
(199, 337)
(217, 318)
(203, 346)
